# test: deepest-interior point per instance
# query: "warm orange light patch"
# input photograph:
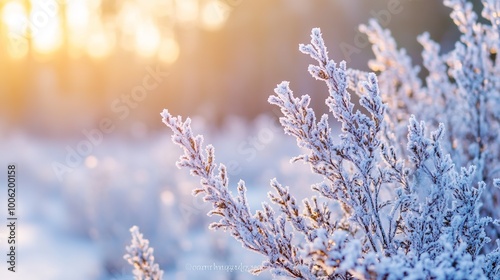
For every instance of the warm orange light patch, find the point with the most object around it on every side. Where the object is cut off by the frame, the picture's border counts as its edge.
(214, 15)
(147, 38)
(44, 28)
(15, 23)
(169, 50)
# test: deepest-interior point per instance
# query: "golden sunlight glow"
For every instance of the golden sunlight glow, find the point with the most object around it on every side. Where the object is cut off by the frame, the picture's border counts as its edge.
(186, 10)
(128, 17)
(89, 27)
(48, 39)
(78, 19)
(147, 39)
(100, 44)
(214, 15)
(45, 26)
(169, 50)
(17, 47)
(77, 15)
(15, 19)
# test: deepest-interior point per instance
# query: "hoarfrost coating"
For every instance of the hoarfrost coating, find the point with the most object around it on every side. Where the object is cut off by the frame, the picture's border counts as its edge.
(140, 256)
(410, 200)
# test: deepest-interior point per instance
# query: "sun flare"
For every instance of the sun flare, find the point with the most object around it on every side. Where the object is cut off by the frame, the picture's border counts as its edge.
(95, 28)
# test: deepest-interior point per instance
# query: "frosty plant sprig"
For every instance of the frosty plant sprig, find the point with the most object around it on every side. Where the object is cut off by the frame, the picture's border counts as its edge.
(140, 256)
(410, 199)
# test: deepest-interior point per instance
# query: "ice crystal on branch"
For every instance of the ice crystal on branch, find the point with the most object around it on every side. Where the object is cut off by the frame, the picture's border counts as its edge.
(140, 256)
(411, 200)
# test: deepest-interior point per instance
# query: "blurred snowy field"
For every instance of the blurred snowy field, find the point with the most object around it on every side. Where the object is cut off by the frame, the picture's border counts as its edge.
(77, 227)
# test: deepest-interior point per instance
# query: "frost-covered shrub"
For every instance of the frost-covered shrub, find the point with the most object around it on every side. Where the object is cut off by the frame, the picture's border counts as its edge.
(409, 200)
(158, 201)
(140, 256)
(462, 91)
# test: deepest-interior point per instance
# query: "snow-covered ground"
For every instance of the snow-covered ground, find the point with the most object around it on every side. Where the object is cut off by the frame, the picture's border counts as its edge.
(77, 227)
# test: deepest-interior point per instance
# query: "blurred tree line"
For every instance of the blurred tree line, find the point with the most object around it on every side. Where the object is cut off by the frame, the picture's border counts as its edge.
(223, 57)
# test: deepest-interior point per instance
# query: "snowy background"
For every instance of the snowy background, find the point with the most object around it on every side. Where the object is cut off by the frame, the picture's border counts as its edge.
(223, 59)
(78, 228)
